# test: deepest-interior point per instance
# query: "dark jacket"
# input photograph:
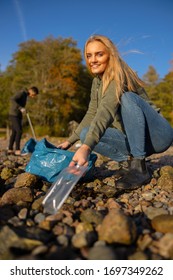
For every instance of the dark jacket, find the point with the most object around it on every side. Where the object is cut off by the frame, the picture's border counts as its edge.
(18, 101)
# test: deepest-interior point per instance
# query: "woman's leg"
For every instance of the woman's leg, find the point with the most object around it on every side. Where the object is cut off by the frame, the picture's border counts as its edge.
(147, 131)
(113, 144)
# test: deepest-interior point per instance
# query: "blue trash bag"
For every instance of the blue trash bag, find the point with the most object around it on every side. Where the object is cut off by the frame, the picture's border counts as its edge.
(29, 146)
(47, 161)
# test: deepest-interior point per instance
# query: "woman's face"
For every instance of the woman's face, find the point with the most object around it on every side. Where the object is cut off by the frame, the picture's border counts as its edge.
(97, 57)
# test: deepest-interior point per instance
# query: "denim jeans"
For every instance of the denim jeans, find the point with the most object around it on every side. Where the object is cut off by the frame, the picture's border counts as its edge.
(146, 131)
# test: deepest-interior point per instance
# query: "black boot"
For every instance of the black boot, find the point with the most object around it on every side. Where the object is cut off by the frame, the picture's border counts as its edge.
(124, 167)
(136, 176)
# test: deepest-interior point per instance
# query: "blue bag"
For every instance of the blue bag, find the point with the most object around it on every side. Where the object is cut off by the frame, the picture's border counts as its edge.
(29, 146)
(47, 161)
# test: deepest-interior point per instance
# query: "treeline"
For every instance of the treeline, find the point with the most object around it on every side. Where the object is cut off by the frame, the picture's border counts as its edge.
(161, 91)
(55, 66)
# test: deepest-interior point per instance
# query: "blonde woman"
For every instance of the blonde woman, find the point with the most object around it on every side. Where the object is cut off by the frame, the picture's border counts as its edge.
(120, 122)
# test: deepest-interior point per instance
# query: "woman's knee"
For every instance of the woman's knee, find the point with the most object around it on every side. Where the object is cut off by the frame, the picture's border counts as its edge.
(127, 98)
(129, 102)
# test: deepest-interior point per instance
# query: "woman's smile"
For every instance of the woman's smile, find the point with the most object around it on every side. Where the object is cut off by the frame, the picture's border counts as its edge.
(97, 57)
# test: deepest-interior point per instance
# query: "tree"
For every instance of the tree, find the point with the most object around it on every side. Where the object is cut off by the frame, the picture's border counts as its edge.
(162, 96)
(5, 91)
(54, 65)
(151, 78)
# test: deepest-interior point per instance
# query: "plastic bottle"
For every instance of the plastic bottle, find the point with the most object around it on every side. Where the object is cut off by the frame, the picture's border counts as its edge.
(62, 187)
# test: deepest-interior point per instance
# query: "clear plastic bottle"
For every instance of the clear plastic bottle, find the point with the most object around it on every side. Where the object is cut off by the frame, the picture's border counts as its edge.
(62, 187)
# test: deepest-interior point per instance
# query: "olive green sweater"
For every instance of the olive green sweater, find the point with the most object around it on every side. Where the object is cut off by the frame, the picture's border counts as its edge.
(101, 114)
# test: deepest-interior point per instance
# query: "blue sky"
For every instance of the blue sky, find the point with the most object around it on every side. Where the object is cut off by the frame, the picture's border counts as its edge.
(142, 30)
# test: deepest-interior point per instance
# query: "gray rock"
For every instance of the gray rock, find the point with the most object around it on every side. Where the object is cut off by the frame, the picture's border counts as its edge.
(39, 218)
(15, 221)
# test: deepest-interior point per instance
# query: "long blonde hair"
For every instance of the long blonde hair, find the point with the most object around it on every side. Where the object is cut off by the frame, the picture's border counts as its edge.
(125, 78)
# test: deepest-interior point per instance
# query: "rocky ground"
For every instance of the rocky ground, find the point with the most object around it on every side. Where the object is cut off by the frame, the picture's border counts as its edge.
(95, 222)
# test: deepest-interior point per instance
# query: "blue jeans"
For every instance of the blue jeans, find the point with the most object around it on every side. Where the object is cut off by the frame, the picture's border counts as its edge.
(146, 131)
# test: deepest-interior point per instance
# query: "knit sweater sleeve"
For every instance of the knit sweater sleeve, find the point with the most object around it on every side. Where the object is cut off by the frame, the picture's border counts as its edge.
(86, 121)
(104, 117)
(100, 115)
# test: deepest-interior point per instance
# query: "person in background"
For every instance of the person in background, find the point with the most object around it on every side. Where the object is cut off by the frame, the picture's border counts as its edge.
(121, 123)
(17, 109)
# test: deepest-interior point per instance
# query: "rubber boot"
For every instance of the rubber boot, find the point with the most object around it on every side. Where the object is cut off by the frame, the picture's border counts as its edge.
(124, 167)
(137, 176)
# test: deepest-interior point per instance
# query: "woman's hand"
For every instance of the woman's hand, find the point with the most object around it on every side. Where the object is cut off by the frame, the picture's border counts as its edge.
(65, 145)
(81, 156)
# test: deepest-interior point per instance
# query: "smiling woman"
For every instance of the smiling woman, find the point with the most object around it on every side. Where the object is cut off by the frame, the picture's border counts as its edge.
(120, 122)
(111, 63)
(97, 57)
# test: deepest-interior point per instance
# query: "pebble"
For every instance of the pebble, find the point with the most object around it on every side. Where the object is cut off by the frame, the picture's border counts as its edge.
(102, 252)
(23, 213)
(63, 240)
(39, 218)
(94, 223)
(148, 196)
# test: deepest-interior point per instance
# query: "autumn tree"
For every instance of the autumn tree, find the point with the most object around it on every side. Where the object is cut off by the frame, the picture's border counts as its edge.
(55, 66)
(151, 78)
(160, 92)
(165, 89)
(5, 92)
